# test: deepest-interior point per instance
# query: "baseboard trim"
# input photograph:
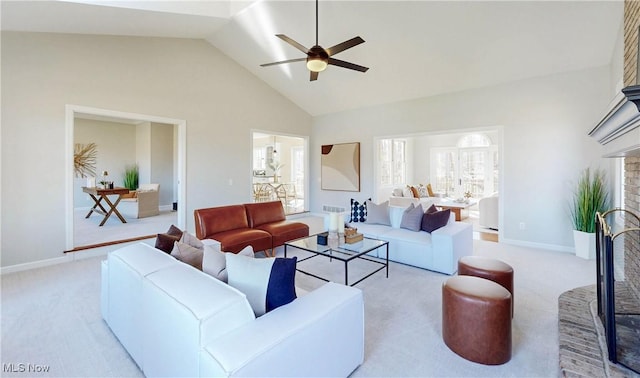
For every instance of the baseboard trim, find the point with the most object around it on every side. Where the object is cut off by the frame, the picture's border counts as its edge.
(35, 264)
(83, 254)
(106, 244)
(548, 247)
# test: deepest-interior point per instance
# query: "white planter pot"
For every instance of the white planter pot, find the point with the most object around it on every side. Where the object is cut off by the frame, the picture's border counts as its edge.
(585, 244)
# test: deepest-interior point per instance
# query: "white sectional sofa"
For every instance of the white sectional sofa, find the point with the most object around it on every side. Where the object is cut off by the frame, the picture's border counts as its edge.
(175, 320)
(438, 251)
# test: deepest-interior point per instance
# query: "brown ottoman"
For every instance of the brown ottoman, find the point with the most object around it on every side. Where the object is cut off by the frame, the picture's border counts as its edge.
(476, 319)
(491, 269)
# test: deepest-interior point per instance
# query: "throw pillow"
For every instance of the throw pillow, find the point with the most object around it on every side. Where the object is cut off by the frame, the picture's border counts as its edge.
(214, 262)
(412, 218)
(431, 209)
(422, 190)
(414, 192)
(164, 242)
(268, 283)
(397, 192)
(430, 191)
(188, 254)
(433, 221)
(175, 231)
(406, 192)
(377, 213)
(187, 238)
(358, 211)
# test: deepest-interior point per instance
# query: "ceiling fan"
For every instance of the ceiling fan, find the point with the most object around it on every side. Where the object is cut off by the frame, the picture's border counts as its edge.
(318, 58)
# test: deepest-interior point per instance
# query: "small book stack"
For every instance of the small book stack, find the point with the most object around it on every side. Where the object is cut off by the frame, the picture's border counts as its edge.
(352, 236)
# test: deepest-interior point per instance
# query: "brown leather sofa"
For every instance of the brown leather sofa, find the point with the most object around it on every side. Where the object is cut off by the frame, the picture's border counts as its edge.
(262, 225)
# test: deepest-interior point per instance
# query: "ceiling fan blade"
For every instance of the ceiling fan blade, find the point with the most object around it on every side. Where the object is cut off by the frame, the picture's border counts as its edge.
(351, 66)
(283, 62)
(292, 43)
(314, 76)
(344, 45)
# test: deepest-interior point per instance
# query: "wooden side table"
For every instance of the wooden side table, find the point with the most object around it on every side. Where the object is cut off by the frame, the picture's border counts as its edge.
(102, 194)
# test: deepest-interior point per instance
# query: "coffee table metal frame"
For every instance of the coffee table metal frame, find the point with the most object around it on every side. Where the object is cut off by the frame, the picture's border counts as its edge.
(310, 244)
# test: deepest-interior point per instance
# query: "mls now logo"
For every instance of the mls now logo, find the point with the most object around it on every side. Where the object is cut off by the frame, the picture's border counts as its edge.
(24, 368)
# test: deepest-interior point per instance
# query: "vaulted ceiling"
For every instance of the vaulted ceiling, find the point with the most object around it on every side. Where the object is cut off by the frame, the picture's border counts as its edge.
(413, 48)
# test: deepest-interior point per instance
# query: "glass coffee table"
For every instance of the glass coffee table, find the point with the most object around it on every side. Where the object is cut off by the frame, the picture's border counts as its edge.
(344, 253)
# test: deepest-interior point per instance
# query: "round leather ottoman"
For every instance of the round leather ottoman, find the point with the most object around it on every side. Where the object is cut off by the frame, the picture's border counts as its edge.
(491, 269)
(476, 319)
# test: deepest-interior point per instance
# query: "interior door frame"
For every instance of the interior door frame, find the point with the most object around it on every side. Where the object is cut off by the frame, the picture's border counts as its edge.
(70, 115)
(305, 139)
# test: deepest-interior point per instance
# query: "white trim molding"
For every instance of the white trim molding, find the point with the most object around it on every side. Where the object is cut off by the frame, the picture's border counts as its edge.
(70, 114)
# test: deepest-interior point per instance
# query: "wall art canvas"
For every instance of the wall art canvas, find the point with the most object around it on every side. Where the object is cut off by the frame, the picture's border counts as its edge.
(340, 167)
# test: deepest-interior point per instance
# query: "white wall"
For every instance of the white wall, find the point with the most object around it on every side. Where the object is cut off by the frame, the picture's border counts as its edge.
(143, 152)
(545, 120)
(173, 78)
(162, 161)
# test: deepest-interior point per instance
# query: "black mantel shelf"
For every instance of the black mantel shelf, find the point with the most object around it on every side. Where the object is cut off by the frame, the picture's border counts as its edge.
(623, 116)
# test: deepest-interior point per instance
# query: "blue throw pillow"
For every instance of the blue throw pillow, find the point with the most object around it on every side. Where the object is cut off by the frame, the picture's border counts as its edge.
(281, 288)
(268, 283)
(358, 211)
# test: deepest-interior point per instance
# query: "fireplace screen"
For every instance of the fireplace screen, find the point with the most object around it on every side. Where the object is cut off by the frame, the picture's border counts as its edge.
(618, 302)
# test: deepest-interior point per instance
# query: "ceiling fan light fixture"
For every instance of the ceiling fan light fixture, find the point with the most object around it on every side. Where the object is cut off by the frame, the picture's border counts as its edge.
(317, 64)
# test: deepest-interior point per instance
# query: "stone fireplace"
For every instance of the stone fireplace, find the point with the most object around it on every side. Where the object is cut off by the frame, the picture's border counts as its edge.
(632, 241)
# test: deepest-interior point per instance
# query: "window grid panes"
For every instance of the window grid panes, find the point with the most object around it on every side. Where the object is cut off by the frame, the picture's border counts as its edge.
(392, 161)
(471, 168)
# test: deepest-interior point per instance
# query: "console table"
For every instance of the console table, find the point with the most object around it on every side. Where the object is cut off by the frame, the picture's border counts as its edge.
(102, 194)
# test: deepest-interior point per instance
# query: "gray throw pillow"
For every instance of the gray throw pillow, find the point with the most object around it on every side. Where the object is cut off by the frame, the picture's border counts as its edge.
(187, 238)
(188, 254)
(378, 214)
(412, 218)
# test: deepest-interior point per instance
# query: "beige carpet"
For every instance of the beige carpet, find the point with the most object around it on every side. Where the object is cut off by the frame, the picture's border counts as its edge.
(51, 317)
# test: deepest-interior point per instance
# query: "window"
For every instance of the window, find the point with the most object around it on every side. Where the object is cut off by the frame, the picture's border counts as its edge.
(469, 168)
(259, 158)
(392, 161)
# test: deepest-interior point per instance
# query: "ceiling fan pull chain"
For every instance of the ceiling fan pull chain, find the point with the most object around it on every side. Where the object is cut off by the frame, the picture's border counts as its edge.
(316, 22)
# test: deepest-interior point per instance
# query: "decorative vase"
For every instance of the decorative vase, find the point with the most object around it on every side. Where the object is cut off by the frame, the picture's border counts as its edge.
(585, 244)
(332, 240)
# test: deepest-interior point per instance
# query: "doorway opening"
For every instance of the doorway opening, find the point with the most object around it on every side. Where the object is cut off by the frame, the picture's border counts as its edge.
(279, 166)
(124, 139)
(460, 165)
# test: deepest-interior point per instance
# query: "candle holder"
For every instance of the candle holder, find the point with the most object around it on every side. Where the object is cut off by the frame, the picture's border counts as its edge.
(335, 225)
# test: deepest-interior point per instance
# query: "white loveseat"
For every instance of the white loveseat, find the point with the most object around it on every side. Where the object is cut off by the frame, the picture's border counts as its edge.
(439, 250)
(175, 320)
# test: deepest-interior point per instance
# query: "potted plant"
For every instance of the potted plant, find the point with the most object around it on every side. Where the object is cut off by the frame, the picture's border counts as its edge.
(130, 180)
(276, 166)
(590, 196)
